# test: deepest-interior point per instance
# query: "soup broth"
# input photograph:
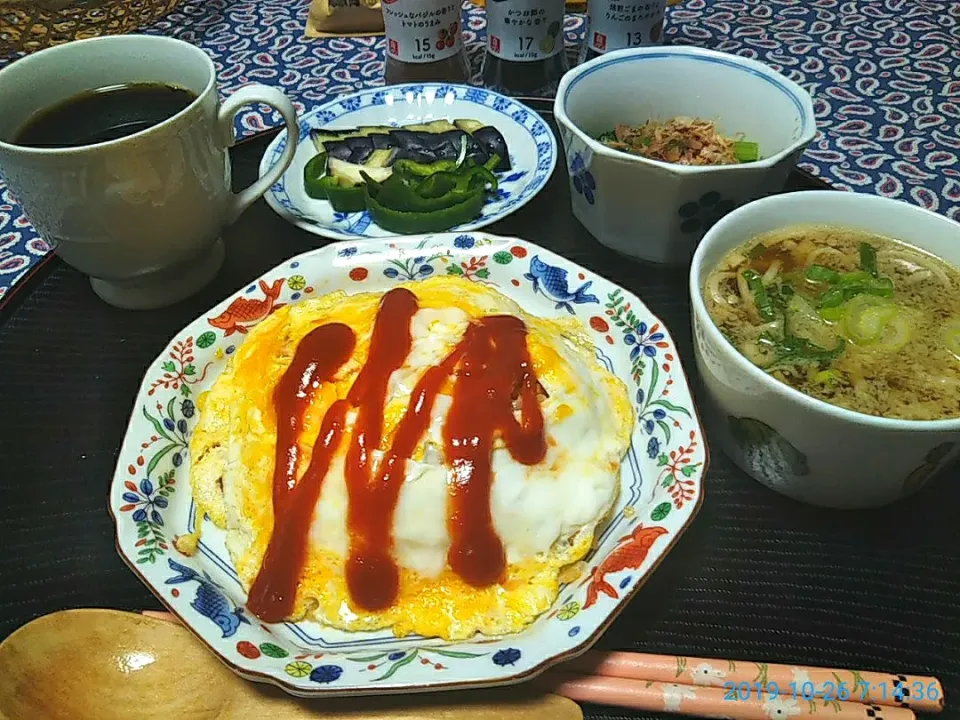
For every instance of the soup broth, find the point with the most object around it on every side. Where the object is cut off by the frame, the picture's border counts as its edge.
(857, 320)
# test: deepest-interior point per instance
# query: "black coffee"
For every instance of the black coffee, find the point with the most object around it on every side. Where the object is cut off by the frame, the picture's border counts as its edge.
(104, 114)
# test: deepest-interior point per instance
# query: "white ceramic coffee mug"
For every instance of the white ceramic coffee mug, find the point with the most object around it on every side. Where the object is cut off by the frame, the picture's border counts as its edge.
(141, 215)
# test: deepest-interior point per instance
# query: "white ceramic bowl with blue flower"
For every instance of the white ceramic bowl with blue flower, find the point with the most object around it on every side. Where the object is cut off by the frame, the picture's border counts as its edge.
(797, 445)
(531, 144)
(659, 211)
(661, 481)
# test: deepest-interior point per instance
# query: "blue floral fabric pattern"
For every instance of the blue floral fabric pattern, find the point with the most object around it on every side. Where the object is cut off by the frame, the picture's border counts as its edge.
(883, 74)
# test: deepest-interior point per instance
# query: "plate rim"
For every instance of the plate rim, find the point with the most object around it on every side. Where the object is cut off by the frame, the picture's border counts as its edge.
(582, 645)
(327, 232)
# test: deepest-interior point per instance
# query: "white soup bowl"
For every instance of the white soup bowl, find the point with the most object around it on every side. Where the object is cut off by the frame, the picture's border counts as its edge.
(658, 211)
(805, 448)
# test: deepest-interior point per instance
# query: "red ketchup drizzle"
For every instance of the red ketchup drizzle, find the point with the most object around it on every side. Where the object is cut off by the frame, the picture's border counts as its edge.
(318, 357)
(495, 371)
(372, 575)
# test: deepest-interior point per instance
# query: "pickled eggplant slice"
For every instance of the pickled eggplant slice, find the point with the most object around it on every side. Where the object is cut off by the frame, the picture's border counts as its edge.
(381, 158)
(424, 147)
(358, 152)
(360, 148)
(414, 145)
(349, 173)
(319, 137)
(494, 143)
(434, 126)
(468, 126)
(337, 149)
(421, 142)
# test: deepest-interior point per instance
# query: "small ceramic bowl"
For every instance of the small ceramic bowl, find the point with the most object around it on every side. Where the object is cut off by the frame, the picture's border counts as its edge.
(804, 448)
(659, 211)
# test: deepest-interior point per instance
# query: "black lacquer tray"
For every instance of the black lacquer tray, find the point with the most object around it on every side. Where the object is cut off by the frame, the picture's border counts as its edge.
(756, 577)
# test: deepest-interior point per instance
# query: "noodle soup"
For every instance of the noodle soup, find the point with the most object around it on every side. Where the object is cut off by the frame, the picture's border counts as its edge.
(859, 320)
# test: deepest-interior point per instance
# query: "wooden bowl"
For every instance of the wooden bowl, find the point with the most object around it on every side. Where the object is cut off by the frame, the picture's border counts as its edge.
(113, 665)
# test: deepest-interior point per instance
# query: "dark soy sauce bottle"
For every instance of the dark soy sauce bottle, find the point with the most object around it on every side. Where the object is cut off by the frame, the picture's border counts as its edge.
(613, 25)
(424, 42)
(525, 47)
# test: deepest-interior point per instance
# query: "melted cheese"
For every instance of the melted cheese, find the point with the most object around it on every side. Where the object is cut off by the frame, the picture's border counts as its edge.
(546, 514)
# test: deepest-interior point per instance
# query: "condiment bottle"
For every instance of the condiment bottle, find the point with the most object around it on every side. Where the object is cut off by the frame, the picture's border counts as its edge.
(613, 25)
(424, 41)
(525, 48)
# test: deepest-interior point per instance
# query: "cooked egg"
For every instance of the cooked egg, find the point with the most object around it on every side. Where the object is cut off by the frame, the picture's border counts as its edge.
(546, 514)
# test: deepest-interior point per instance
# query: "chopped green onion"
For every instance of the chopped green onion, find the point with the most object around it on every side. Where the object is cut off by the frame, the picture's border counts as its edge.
(827, 377)
(882, 287)
(746, 151)
(832, 298)
(876, 321)
(761, 297)
(868, 259)
(795, 350)
(857, 276)
(757, 251)
(853, 284)
(819, 273)
(833, 314)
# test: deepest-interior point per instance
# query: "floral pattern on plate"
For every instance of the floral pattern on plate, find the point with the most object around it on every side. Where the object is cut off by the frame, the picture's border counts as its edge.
(661, 478)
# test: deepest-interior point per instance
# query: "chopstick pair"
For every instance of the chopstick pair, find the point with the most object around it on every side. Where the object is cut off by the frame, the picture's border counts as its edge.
(742, 690)
(739, 690)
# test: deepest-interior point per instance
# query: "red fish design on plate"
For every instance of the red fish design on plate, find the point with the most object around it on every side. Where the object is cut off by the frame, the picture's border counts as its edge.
(243, 312)
(628, 556)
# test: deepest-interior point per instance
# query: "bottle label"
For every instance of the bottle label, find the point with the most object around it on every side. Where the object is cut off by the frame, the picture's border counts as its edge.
(421, 31)
(619, 25)
(525, 30)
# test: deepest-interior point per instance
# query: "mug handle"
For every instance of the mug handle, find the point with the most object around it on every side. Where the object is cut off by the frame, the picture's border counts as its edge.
(248, 95)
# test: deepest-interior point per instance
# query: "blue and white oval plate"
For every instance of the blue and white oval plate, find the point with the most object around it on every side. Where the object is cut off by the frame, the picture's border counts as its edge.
(533, 151)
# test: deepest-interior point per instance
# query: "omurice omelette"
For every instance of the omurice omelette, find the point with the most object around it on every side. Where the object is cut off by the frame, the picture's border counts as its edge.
(428, 459)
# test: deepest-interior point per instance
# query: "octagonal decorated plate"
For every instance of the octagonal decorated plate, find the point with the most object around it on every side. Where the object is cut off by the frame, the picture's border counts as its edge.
(661, 477)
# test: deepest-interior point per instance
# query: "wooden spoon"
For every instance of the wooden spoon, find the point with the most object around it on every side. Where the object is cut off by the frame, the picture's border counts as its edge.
(113, 665)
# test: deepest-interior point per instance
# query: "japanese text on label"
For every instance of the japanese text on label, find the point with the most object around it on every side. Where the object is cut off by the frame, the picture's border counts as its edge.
(525, 30)
(421, 32)
(618, 25)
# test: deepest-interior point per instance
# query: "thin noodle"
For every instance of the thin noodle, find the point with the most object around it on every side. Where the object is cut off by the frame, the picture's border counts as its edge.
(917, 259)
(716, 294)
(755, 331)
(770, 275)
(915, 278)
(747, 296)
(770, 327)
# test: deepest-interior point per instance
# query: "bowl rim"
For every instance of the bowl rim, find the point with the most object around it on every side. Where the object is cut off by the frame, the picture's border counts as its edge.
(808, 123)
(770, 384)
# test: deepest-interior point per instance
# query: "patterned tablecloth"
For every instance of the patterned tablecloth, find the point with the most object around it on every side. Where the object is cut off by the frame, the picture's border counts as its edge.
(885, 76)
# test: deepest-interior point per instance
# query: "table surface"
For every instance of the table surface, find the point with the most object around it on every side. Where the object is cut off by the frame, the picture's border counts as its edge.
(756, 577)
(884, 74)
